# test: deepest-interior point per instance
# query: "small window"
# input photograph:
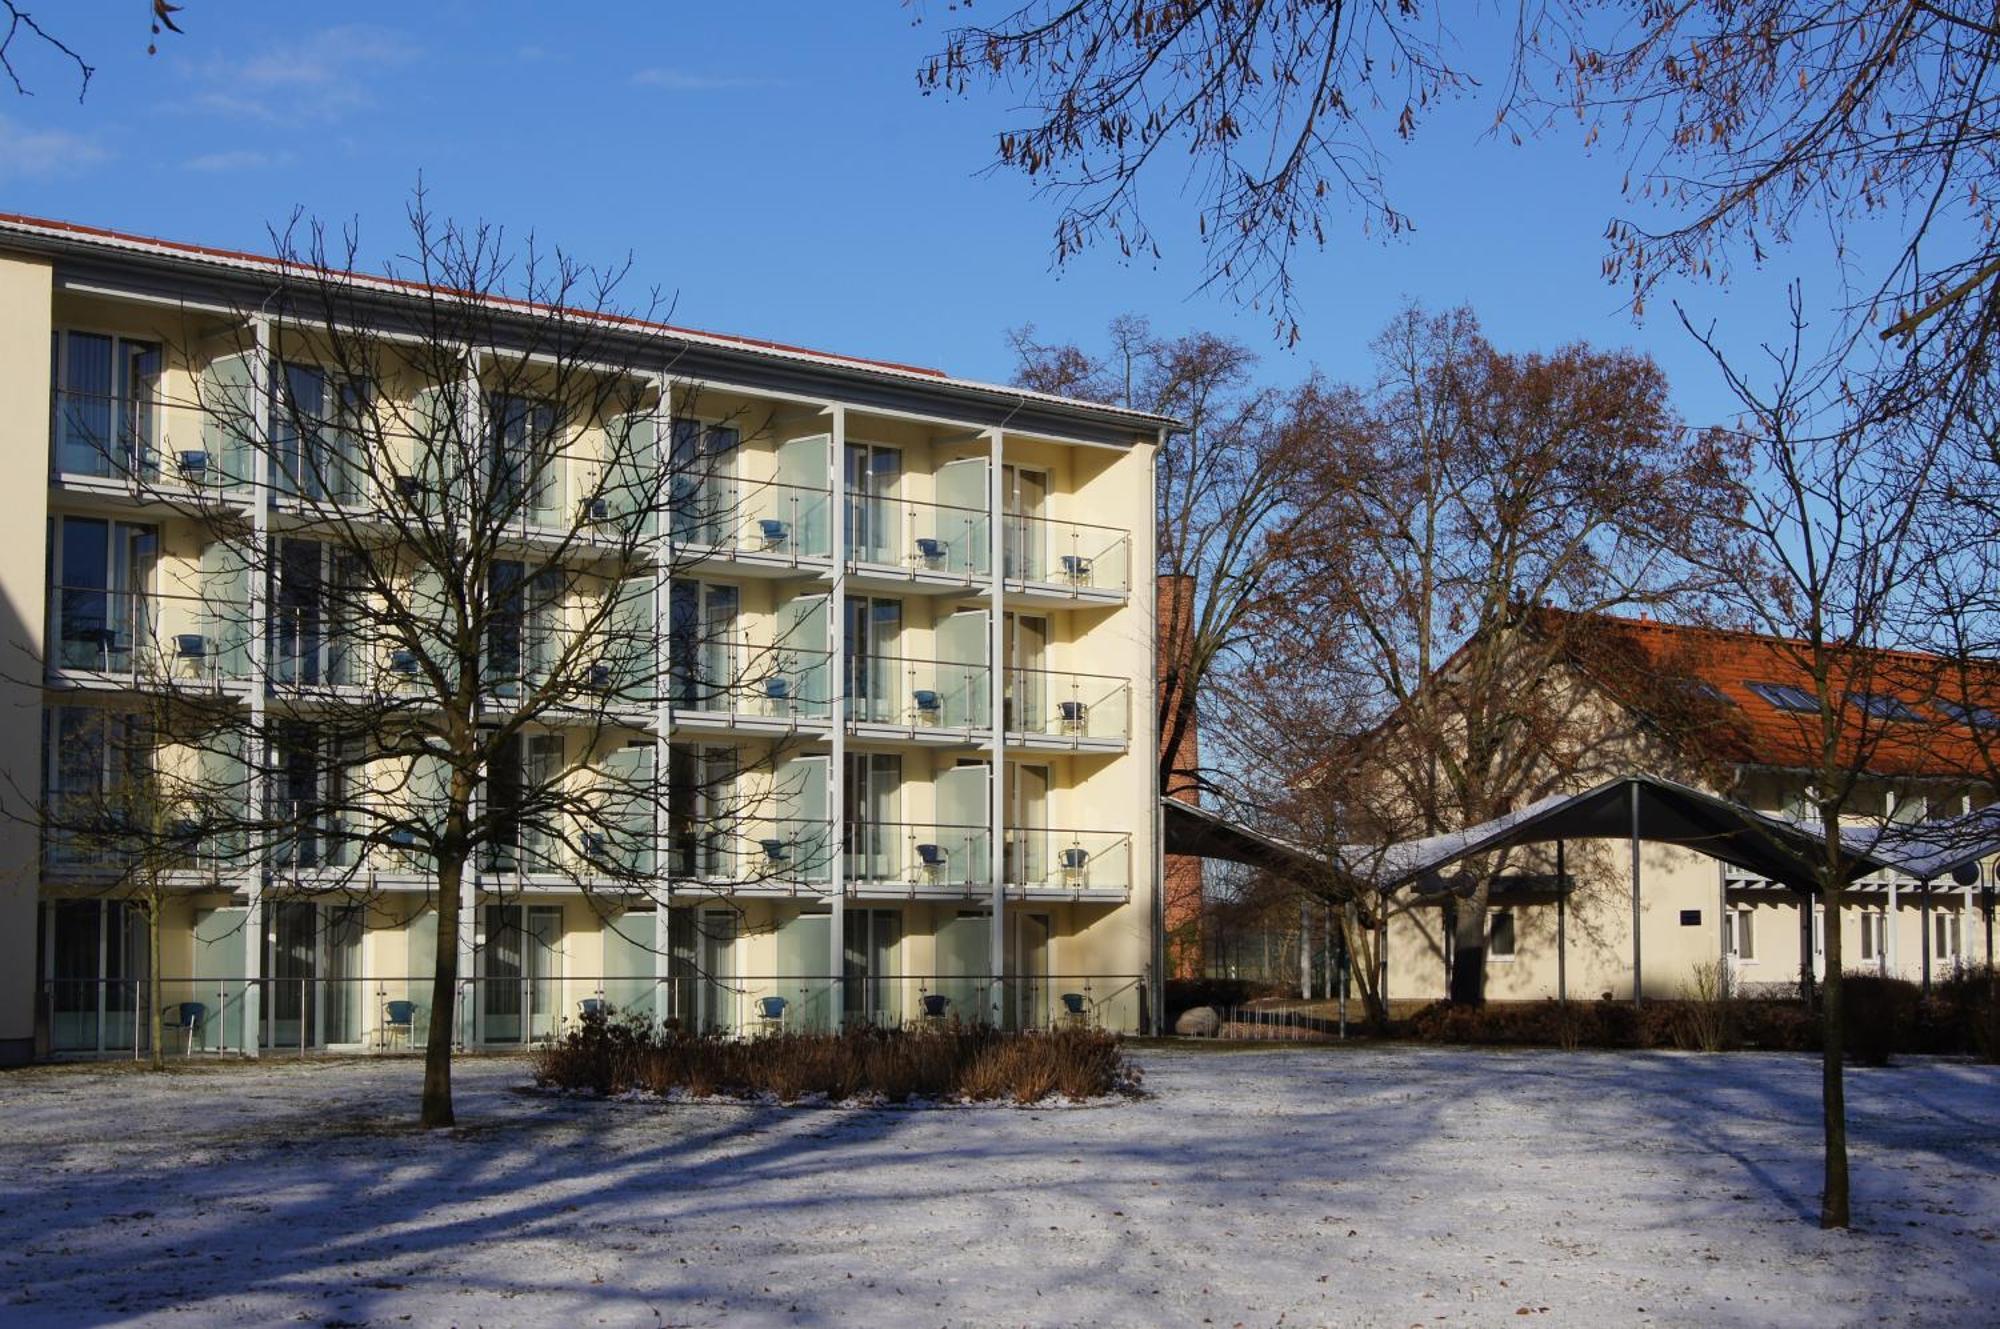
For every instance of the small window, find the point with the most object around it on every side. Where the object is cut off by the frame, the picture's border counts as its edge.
(1742, 935)
(1947, 936)
(1500, 946)
(1884, 707)
(1786, 697)
(1874, 934)
(1976, 717)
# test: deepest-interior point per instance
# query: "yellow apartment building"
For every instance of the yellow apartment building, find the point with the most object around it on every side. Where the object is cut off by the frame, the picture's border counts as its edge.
(909, 617)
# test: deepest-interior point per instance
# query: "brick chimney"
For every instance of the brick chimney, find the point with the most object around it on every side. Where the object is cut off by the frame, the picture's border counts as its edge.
(1174, 606)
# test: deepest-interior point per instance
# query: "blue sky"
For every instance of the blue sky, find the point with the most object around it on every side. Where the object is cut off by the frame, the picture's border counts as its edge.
(774, 169)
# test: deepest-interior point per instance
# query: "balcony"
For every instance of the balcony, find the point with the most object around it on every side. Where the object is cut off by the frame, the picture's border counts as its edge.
(919, 538)
(128, 442)
(1068, 556)
(919, 695)
(133, 637)
(717, 685)
(1054, 707)
(105, 833)
(767, 521)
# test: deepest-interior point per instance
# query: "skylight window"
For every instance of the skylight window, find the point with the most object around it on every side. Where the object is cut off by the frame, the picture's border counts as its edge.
(1884, 707)
(1786, 697)
(1976, 717)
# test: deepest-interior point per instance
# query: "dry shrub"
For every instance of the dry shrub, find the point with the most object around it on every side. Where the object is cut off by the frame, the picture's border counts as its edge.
(975, 1063)
(1963, 1015)
(1773, 1025)
(1878, 1017)
(1707, 1012)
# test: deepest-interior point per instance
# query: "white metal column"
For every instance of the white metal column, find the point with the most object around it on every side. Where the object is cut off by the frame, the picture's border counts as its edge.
(653, 489)
(836, 670)
(258, 747)
(996, 685)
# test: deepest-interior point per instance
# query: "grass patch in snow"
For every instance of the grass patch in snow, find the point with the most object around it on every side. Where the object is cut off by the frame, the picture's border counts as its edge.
(953, 1064)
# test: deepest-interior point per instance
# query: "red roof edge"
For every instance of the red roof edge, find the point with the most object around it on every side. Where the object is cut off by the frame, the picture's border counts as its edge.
(267, 260)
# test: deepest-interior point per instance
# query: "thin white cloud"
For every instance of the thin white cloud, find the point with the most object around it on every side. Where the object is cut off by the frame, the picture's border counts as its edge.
(27, 153)
(245, 159)
(682, 80)
(322, 77)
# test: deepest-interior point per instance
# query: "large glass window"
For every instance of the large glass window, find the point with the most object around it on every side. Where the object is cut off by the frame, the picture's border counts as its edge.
(702, 485)
(104, 571)
(107, 405)
(874, 534)
(701, 645)
(872, 793)
(96, 977)
(316, 431)
(875, 687)
(523, 460)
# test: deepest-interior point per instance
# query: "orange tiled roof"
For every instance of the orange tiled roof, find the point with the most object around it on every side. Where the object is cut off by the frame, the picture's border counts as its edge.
(1907, 713)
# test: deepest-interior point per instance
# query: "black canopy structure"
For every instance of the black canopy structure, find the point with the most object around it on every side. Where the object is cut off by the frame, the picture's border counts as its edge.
(1639, 807)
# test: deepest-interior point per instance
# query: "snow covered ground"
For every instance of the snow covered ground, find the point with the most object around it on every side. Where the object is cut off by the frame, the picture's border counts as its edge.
(1300, 1186)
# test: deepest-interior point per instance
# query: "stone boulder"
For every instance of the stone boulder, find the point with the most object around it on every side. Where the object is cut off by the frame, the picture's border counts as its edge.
(1200, 1022)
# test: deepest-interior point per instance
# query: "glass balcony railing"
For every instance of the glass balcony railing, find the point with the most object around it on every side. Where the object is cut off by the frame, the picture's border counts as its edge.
(108, 831)
(140, 635)
(1070, 554)
(130, 439)
(916, 853)
(924, 537)
(886, 689)
(745, 516)
(1043, 857)
(1057, 704)
(756, 682)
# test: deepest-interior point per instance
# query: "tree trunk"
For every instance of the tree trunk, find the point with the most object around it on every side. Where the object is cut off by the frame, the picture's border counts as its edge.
(155, 988)
(444, 1000)
(1833, 1089)
(1468, 950)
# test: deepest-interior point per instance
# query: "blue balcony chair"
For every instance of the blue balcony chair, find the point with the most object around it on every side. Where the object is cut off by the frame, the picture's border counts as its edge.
(778, 695)
(596, 509)
(595, 846)
(776, 852)
(936, 1005)
(1073, 716)
(1076, 1009)
(593, 1006)
(771, 1012)
(187, 1018)
(597, 676)
(403, 663)
(191, 646)
(931, 552)
(931, 860)
(1075, 864)
(409, 488)
(1076, 569)
(773, 532)
(193, 466)
(399, 1020)
(927, 706)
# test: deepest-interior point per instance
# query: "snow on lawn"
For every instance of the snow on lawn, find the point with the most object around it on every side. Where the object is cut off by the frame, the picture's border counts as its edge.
(1303, 1185)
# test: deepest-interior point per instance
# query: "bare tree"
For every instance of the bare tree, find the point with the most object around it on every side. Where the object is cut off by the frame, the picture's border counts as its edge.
(435, 621)
(22, 27)
(1278, 110)
(1459, 527)
(1829, 524)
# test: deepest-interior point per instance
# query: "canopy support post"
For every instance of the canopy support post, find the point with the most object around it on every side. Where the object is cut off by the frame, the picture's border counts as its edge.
(1806, 945)
(1638, 982)
(1562, 927)
(1924, 896)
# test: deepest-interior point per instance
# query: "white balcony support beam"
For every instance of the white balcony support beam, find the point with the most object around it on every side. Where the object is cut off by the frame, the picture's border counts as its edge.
(997, 699)
(1893, 957)
(836, 774)
(253, 970)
